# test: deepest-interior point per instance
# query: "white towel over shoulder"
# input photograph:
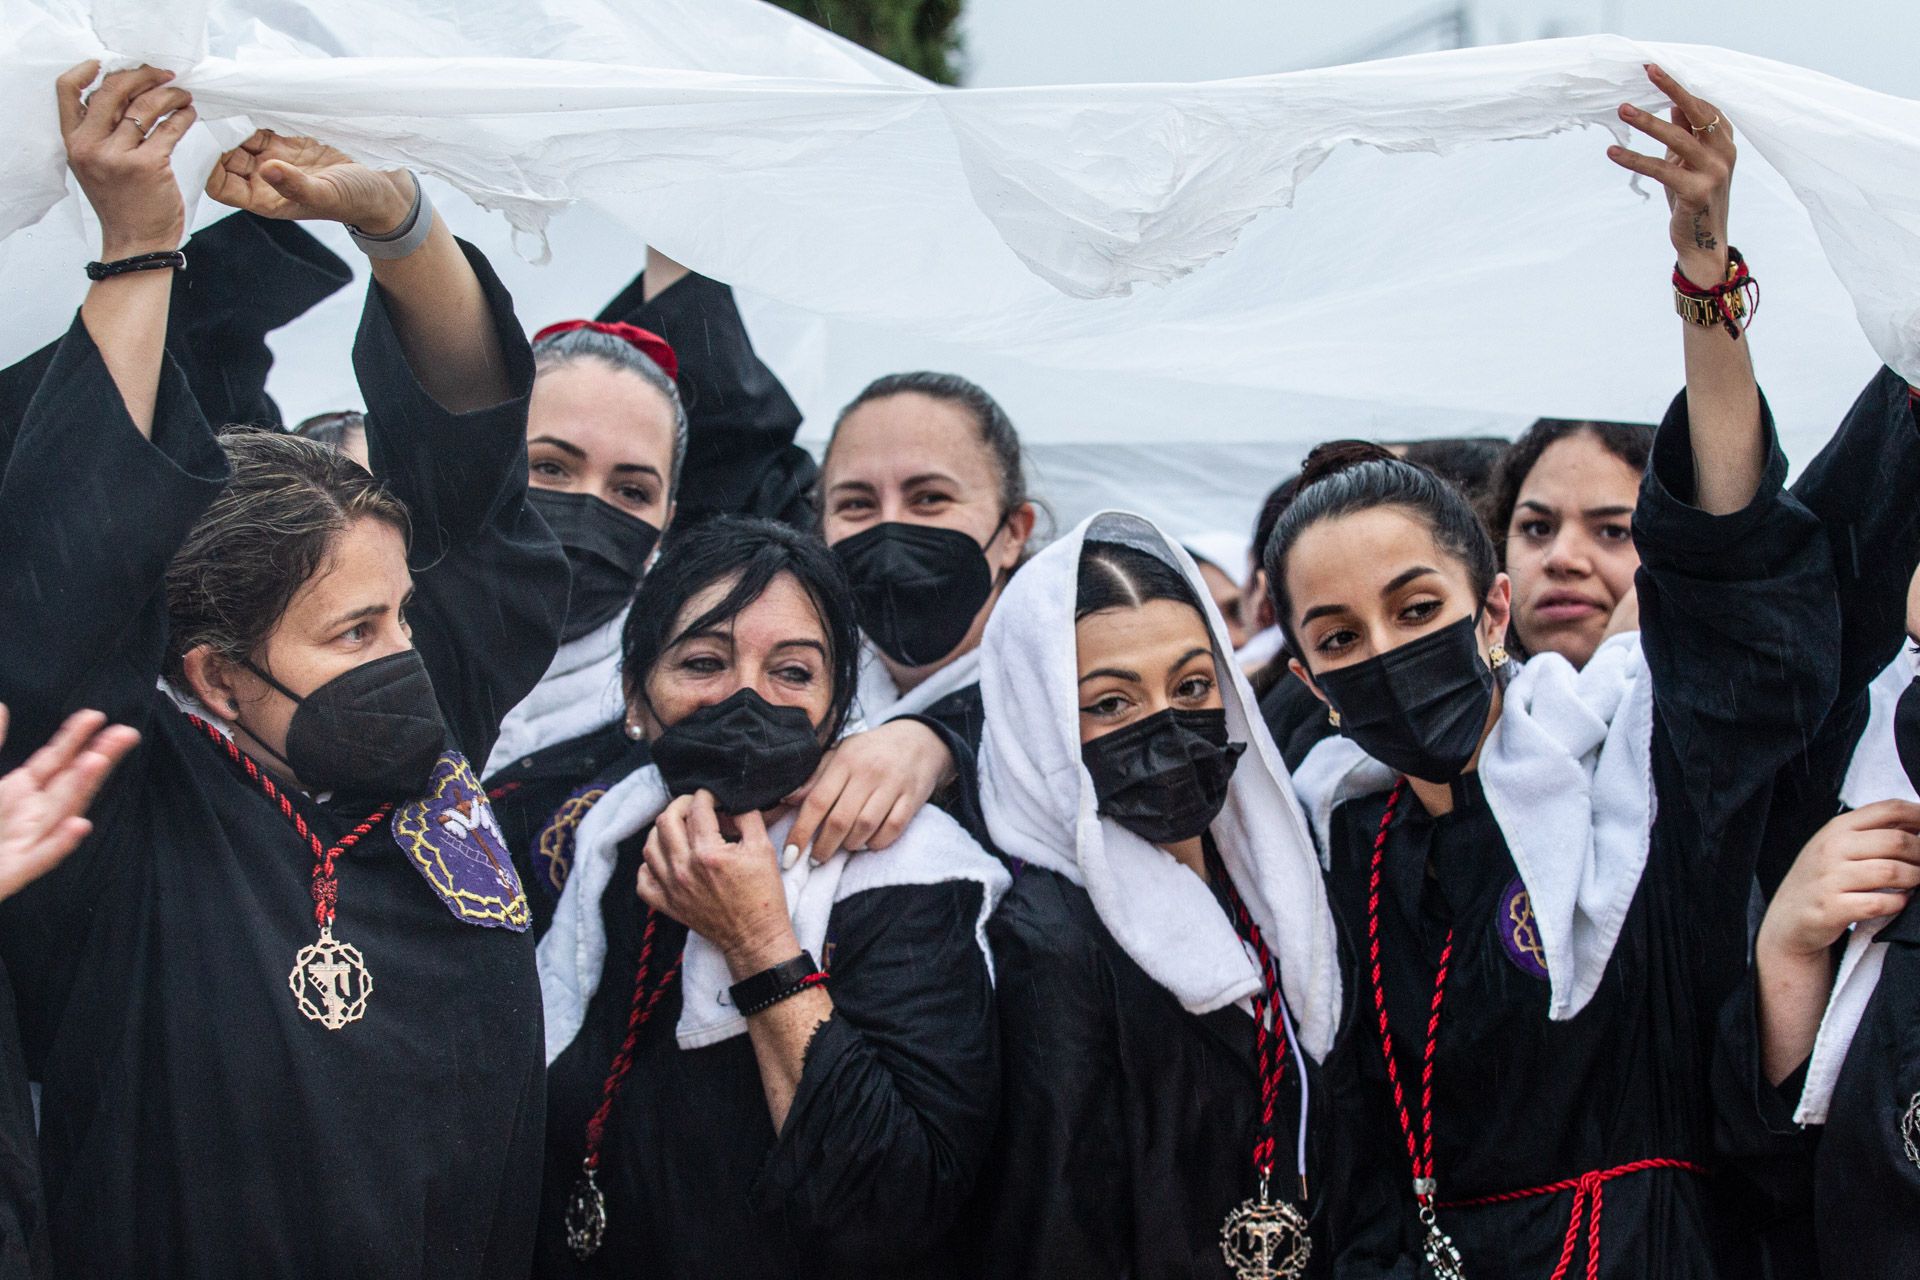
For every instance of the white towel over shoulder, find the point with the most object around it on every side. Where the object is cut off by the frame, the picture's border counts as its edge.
(1568, 773)
(1040, 805)
(932, 850)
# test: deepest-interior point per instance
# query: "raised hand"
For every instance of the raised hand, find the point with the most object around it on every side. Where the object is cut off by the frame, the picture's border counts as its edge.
(1697, 172)
(42, 801)
(120, 141)
(304, 178)
(867, 789)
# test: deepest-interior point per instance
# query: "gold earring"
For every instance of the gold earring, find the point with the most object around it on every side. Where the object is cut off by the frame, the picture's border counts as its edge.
(1497, 655)
(1333, 717)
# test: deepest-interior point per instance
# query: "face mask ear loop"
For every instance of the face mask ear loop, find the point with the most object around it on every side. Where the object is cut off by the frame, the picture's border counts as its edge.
(284, 692)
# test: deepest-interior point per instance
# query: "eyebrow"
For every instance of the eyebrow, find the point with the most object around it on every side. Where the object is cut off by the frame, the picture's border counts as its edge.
(1400, 580)
(1196, 652)
(358, 615)
(1592, 513)
(815, 645)
(1115, 673)
(565, 446)
(929, 477)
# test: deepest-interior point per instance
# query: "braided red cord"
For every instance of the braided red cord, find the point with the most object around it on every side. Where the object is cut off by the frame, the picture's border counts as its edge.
(1270, 1054)
(326, 888)
(1587, 1204)
(637, 1014)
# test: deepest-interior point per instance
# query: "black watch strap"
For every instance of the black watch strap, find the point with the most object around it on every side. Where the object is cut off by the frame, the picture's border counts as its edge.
(770, 986)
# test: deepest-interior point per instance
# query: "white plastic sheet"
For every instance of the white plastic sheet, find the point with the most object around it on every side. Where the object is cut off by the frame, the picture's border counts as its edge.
(1404, 248)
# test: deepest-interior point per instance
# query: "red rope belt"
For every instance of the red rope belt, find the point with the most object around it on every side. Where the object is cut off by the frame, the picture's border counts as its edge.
(1586, 1190)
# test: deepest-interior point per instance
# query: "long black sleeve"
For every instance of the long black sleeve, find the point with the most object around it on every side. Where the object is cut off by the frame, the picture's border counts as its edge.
(741, 422)
(1739, 626)
(897, 1098)
(491, 583)
(91, 514)
(246, 276)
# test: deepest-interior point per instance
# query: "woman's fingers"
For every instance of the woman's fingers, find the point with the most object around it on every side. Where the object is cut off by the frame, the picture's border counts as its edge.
(75, 732)
(647, 883)
(896, 824)
(76, 786)
(67, 90)
(108, 104)
(168, 132)
(1903, 815)
(703, 822)
(1696, 113)
(1664, 172)
(822, 796)
(147, 111)
(1675, 138)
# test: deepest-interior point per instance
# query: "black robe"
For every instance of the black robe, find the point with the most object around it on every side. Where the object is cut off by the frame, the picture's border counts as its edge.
(881, 1146)
(194, 1122)
(1296, 719)
(1741, 636)
(741, 458)
(958, 719)
(531, 799)
(1839, 1200)
(246, 276)
(1127, 1124)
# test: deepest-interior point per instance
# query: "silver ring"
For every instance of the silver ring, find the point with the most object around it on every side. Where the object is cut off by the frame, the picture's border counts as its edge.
(138, 123)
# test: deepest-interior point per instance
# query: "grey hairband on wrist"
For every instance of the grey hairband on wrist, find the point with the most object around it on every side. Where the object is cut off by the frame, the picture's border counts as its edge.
(405, 238)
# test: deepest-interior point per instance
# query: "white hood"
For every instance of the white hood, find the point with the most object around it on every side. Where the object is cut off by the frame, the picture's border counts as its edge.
(1039, 802)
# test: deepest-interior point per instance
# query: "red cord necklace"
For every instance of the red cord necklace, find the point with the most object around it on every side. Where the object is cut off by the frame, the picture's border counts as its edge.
(586, 1216)
(1442, 1255)
(330, 981)
(1264, 1239)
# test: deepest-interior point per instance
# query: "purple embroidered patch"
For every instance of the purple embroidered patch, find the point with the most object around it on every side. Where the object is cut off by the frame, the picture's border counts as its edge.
(1519, 932)
(452, 837)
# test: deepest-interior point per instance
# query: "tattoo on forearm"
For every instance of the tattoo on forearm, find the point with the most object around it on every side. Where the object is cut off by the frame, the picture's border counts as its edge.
(1702, 238)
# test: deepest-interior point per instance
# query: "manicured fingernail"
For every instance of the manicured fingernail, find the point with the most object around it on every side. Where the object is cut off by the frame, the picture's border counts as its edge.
(789, 856)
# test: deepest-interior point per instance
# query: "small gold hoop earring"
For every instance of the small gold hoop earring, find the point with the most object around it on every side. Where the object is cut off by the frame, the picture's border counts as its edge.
(1497, 656)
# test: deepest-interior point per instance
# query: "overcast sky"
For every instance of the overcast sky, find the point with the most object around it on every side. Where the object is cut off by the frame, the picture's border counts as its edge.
(1871, 42)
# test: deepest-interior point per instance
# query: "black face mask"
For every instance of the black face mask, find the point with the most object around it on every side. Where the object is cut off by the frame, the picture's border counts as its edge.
(1420, 708)
(607, 550)
(1906, 731)
(1164, 778)
(374, 731)
(916, 587)
(749, 753)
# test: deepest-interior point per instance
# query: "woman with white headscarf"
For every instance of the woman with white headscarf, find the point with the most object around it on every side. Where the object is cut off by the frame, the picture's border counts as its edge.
(1167, 980)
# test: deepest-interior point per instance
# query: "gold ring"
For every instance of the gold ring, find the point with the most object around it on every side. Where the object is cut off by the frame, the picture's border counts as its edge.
(1708, 127)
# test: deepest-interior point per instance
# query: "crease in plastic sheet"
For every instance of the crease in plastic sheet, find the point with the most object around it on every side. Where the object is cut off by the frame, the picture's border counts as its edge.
(1440, 234)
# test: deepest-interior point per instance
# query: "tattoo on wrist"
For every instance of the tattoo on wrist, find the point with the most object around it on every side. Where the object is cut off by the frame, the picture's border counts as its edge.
(1702, 238)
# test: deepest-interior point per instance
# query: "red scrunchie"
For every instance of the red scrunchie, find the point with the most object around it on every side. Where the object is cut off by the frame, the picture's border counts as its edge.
(650, 344)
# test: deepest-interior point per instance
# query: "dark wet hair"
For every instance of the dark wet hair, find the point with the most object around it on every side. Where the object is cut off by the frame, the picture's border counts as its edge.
(1631, 442)
(1348, 476)
(1466, 462)
(286, 501)
(571, 346)
(751, 552)
(1114, 575)
(1277, 500)
(989, 419)
(332, 429)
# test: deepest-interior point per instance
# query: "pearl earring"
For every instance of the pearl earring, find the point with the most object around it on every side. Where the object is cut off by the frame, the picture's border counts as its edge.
(634, 731)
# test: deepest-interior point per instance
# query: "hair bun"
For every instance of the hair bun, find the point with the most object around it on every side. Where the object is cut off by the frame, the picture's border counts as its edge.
(1335, 456)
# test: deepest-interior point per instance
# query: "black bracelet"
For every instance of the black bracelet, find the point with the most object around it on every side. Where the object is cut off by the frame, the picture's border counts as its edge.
(170, 260)
(782, 982)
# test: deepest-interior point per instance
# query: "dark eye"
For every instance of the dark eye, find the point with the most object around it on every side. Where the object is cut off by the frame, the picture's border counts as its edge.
(1420, 610)
(551, 470)
(852, 506)
(795, 675)
(635, 495)
(1616, 533)
(1195, 688)
(1110, 705)
(355, 634)
(1535, 529)
(703, 664)
(930, 499)
(1335, 641)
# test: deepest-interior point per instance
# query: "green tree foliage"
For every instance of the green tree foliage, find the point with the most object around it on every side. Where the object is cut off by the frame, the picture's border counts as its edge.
(920, 35)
